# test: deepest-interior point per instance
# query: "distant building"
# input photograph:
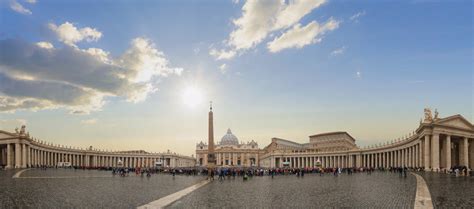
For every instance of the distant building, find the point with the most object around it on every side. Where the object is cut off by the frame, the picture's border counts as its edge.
(229, 152)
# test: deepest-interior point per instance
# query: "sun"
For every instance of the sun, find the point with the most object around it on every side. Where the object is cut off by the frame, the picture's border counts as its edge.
(192, 96)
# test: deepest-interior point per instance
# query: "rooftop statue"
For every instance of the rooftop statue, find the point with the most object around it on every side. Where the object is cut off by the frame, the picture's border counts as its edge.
(436, 114)
(23, 129)
(428, 115)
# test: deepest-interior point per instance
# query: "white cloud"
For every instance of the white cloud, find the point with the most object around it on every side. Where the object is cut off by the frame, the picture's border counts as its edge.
(222, 54)
(36, 77)
(257, 21)
(99, 54)
(89, 121)
(17, 7)
(298, 37)
(223, 68)
(69, 34)
(31, 1)
(356, 16)
(145, 61)
(292, 12)
(262, 18)
(45, 45)
(338, 51)
(358, 74)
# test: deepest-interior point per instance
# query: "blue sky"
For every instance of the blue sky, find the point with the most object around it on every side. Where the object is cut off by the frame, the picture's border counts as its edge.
(366, 67)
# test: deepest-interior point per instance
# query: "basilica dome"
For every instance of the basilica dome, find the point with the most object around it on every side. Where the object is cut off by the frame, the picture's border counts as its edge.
(229, 139)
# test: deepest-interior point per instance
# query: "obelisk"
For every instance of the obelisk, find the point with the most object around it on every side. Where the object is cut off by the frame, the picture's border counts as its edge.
(211, 158)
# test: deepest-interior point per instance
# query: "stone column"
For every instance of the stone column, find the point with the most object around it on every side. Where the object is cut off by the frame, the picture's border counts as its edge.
(364, 160)
(471, 154)
(28, 156)
(384, 157)
(9, 156)
(447, 148)
(402, 157)
(380, 164)
(415, 154)
(17, 155)
(392, 159)
(35, 156)
(426, 151)
(435, 152)
(407, 152)
(399, 157)
(409, 157)
(23, 156)
(465, 152)
(372, 156)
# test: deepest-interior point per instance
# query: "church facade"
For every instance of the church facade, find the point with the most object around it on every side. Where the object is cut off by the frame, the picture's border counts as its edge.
(229, 152)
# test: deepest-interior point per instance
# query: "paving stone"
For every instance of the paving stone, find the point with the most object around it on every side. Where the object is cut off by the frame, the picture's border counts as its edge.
(379, 190)
(112, 192)
(449, 191)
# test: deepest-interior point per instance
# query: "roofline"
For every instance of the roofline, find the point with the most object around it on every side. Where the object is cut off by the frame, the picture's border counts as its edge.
(332, 133)
(286, 140)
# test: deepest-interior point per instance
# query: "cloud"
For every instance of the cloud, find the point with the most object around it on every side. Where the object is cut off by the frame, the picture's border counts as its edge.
(338, 51)
(144, 61)
(17, 7)
(35, 76)
(31, 1)
(89, 121)
(69, 34)
(358, 74)
(222, 54)
(45, 45)
(260, 19)
(298, 37)
(356, 16)
(223, 68)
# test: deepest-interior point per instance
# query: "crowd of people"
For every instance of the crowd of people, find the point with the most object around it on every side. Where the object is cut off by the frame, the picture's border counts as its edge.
(245, 173)
(224, 173)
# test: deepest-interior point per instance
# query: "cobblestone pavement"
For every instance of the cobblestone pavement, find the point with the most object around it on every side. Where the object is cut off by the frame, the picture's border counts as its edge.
(379, 190)
(448, 191)
(104, 191)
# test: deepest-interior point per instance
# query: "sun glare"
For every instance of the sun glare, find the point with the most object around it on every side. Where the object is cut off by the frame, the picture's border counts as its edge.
(192, 96)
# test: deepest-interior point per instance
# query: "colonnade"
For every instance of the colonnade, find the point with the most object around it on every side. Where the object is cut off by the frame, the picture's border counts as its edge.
(236, 159)
(399, 157)
(433, 151)
(20, 155)
(311, 161)
(18, 150)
